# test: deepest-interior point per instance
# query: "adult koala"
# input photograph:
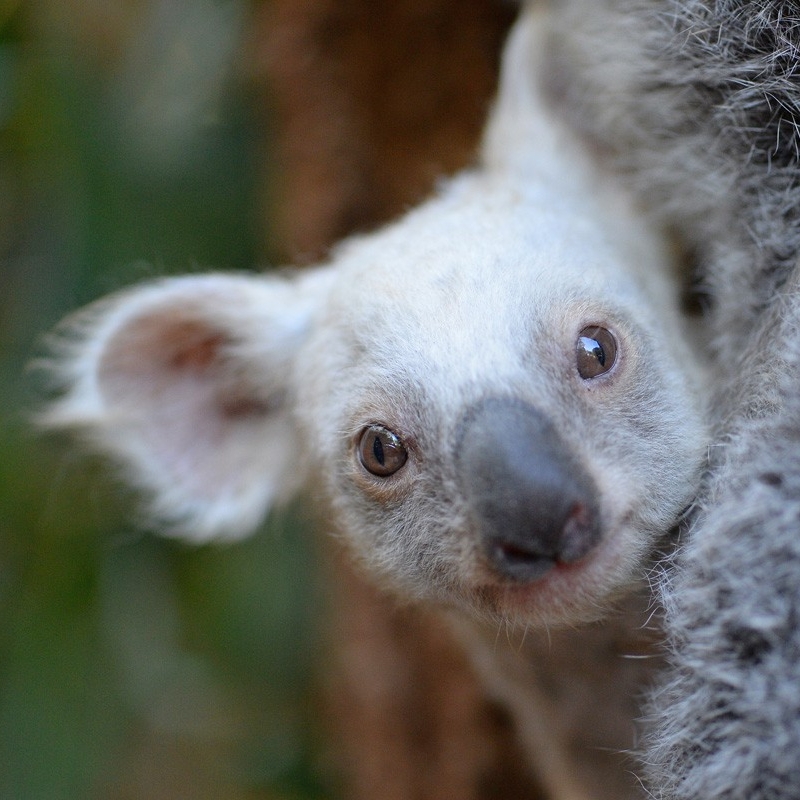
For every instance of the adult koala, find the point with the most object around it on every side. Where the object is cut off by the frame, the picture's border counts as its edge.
(495, 396)
(699, 105)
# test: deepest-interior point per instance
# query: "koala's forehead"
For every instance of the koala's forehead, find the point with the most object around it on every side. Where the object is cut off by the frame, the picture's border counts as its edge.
(465, 283)
(467, 296)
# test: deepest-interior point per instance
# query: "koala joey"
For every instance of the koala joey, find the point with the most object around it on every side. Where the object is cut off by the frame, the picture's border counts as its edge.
(495, 396)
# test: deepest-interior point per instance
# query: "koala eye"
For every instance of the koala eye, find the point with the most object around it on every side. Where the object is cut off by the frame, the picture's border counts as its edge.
(595, 351)
(381, 452)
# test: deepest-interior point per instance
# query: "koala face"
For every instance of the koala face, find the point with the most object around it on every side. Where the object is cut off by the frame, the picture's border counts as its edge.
(494, 395)
(501, 419)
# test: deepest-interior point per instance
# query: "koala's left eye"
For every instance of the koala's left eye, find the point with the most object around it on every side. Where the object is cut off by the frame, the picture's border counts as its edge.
(381, 452)
(595, 351)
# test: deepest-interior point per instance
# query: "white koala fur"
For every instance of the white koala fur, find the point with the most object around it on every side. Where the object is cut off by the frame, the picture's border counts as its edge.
(222, 395)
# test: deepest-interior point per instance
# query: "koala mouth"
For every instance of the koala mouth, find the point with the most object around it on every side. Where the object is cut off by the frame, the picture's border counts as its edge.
(518, 563)
(553, 593)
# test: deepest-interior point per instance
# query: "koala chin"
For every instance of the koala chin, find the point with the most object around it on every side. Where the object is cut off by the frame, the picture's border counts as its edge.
(495, 396)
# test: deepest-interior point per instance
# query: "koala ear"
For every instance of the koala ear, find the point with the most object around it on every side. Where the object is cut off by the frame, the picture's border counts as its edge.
(187, 383)
(521, 112)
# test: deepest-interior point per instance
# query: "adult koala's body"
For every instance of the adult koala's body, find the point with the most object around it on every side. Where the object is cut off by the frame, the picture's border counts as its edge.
(494, 396)
(699, 103)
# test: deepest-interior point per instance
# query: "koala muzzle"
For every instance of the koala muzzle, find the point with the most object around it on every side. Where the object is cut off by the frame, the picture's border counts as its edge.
(530, 501)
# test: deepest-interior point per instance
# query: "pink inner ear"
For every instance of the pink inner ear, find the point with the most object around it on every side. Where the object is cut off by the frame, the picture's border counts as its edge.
(162, 374)
(160, 344)
(192, 345)
(167, 359)
(173, 382)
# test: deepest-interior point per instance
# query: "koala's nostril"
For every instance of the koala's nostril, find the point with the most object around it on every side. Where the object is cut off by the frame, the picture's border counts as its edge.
(577, 537)
(531, 502)
(517, 562)
(527, 557)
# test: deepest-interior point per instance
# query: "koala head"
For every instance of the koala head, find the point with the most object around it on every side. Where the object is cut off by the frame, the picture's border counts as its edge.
(494, 396)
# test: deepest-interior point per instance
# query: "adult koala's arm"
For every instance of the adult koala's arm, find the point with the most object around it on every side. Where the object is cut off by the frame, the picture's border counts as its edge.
(697, 104)
(727, 720)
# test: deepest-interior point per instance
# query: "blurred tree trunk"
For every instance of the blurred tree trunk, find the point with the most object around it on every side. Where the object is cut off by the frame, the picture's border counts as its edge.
(374, 102)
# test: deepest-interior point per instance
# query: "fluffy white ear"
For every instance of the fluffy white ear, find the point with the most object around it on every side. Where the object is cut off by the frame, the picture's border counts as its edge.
(187, 383)
(523, 133)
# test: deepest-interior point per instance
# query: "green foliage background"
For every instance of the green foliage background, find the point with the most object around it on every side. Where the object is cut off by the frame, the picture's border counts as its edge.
(131, 666)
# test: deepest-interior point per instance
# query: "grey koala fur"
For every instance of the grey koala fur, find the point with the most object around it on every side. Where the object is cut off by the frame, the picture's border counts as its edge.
(726, 721)
(697, 104)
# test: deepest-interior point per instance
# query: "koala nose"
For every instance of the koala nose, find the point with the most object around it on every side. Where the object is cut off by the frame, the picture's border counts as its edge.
(532, 503)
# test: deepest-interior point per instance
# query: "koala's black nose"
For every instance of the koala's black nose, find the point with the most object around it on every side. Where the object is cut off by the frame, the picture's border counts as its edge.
(529, 498)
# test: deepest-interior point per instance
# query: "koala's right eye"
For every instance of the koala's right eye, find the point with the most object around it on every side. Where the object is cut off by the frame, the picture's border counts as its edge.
(381, 452)
(595, 351)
